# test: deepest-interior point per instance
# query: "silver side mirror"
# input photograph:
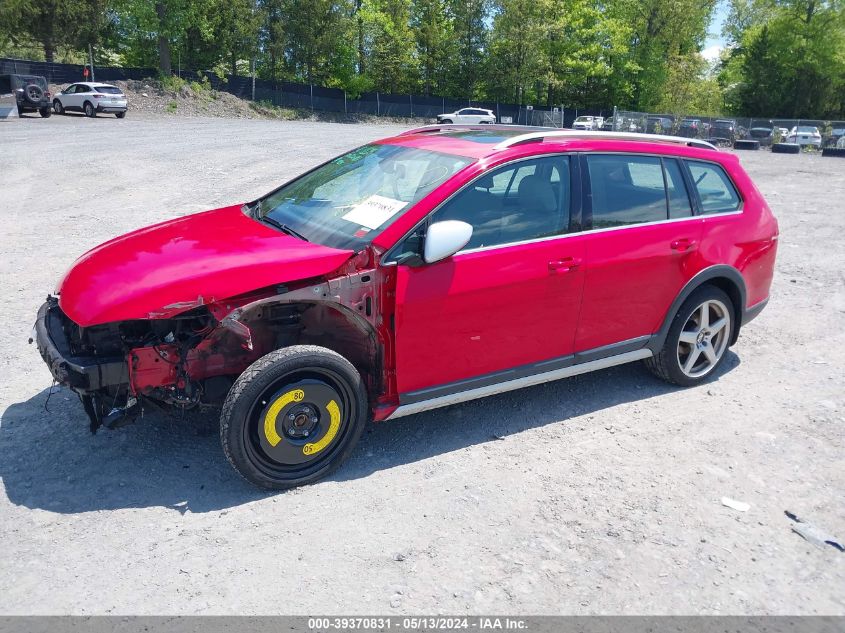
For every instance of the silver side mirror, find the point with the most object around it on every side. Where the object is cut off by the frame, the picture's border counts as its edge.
(445, 238)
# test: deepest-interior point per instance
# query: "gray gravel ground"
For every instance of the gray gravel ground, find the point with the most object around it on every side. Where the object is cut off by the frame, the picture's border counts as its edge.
(597, 494)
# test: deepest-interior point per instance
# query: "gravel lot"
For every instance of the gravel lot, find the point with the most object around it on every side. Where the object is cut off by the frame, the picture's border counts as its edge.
(597, 494)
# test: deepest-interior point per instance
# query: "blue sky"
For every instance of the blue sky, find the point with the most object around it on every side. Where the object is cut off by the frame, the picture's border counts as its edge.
(715, 42)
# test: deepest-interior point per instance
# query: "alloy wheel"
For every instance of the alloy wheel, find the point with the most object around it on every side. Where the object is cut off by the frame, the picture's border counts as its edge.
(704, 338)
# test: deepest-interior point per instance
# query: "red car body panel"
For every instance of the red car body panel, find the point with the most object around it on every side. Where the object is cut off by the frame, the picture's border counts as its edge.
(165, 269)
(487, 311)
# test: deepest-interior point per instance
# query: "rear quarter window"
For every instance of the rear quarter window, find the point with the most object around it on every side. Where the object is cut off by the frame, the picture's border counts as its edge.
(715, 190)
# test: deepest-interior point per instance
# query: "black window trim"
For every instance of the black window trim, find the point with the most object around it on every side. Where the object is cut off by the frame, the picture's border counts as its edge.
(575, 207)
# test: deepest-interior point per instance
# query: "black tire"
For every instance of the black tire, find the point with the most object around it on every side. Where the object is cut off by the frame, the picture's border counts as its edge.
(446, 122)
(746, 144)
(120, 115)
(786, 148)
(45, 112)
(834, 151)
(58, 108)
(666, 364)
(317, 392)
(89, 109)
(33, 93)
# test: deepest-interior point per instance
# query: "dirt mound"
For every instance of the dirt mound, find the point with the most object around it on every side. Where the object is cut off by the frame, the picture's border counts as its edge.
(177, 97)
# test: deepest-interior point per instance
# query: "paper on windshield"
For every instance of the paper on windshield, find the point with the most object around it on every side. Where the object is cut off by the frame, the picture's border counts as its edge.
(374, 211)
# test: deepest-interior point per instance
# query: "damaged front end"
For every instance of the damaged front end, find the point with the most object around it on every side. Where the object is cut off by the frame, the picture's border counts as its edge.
(184, 359)
(117, 368)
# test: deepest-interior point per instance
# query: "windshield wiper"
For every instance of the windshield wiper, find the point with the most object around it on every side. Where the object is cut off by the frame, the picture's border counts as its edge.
(283, 227)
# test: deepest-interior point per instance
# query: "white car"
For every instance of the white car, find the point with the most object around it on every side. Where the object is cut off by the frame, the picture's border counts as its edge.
(91, 98)
(588, 123)
(468, 115)
(805, 135)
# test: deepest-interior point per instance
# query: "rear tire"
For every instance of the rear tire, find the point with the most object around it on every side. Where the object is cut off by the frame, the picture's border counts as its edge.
(786, 148)
(698, 339)
(293, 417)
(120, 115)
(45, 112)
(89, 110)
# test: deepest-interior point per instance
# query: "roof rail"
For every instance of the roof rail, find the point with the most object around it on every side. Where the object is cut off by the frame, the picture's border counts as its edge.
(480, 127)
(619, 136)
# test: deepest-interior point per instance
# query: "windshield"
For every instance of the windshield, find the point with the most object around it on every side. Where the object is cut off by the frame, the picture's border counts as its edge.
(344, 203)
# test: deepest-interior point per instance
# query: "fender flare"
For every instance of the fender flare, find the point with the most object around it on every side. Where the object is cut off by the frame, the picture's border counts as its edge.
(719, 271)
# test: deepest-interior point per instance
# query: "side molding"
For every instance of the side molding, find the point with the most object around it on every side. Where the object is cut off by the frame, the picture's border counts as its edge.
(519, 383)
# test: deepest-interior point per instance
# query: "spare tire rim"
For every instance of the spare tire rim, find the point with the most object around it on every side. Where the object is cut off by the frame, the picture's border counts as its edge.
(298, 423)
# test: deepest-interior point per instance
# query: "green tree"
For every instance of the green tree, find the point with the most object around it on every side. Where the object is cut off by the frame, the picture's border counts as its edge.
(391, 63)
(434, 36)
(469, 24)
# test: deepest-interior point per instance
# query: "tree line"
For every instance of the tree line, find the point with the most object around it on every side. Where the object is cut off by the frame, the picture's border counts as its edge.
(785, 57)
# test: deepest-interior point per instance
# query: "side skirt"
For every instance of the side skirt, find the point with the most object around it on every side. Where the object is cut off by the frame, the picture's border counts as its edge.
(519, 383)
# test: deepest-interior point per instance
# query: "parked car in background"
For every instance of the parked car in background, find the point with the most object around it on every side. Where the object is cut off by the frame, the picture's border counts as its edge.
(384, 283)
(805, 135)
(784, 132)
(588, 123)
(31, 93)
(764, 135)
(691, 128)
(836, 133)
(724, 129)
(658, 125)
(468, 115)
(91, 98)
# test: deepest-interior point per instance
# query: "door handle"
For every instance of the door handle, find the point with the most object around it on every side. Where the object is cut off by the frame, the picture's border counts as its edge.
(684, 244)
(565, 265)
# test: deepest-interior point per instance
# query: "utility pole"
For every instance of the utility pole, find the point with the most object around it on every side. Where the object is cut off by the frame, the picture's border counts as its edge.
(91, 61)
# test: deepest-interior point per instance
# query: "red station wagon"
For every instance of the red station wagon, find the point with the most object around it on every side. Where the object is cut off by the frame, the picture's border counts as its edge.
(441, 265)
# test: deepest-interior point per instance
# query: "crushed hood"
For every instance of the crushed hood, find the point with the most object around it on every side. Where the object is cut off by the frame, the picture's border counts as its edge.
(214, 255)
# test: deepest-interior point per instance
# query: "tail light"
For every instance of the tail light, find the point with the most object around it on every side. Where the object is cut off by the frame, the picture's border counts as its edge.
(46, 93)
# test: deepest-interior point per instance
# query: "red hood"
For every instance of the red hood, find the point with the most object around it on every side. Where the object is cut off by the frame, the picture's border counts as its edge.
(215, 255)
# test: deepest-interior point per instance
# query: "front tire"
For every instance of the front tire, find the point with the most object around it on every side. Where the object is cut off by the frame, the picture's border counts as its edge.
(90, 112)
(58, 108)
(698, 339)
(293, 417)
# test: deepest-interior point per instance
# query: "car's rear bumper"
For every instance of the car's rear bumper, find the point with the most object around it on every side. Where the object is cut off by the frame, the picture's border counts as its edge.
(82, 373)
(111, 108)
(749, 314)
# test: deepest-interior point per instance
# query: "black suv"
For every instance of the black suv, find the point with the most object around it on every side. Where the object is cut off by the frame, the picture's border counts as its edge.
(30, 92)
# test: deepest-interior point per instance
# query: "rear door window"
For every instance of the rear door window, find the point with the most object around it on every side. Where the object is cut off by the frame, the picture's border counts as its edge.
(626, 190)
(629, 190)
(676, 190)
(715, 190)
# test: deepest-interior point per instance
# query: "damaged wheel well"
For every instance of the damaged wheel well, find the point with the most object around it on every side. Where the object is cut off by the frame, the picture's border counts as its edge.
(279, 323)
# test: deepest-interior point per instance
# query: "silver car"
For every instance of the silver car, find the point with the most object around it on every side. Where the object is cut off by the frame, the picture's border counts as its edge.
(91, 98)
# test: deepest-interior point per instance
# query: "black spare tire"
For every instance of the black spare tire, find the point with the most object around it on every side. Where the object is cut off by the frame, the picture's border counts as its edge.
(33, 93)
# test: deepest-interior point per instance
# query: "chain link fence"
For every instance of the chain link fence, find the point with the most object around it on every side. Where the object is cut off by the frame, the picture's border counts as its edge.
(726, 131)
